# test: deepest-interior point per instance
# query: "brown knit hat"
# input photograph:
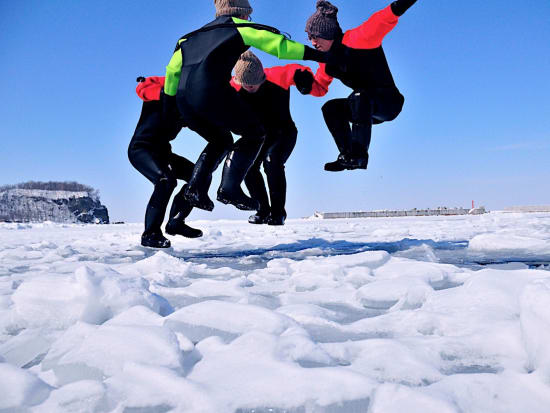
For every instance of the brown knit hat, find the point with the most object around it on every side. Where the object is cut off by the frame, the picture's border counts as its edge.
(249, 70)
(234, 8)
(324, 22)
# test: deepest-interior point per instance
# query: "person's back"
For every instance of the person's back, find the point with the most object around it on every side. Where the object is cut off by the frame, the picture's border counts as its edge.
(208, 57)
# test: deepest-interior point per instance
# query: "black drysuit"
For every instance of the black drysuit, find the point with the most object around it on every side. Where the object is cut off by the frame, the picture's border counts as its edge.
(271, 105)
(358, 60)
(151, 154)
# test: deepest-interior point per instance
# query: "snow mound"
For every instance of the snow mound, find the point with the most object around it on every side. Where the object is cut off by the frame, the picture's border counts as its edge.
(88, 352)
(59, 302)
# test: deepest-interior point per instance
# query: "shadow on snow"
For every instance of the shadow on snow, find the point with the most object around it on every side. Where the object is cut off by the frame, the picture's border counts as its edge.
(444, 252)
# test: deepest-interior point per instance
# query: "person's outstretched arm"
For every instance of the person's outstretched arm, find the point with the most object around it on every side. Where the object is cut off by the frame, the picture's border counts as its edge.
(277, 44)
(300, 76)
(371, 33)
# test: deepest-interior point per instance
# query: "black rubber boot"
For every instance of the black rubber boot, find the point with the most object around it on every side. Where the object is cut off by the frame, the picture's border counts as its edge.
(347, 162)
(196, 192)
(276, 220)
(181, 208)
(179, 227)
(156, 208)
(276, 180)
(338, 165)
(256, 187)
(154, 240)
(230, 192)
(360, 142)
(259, 218)
(336, 114)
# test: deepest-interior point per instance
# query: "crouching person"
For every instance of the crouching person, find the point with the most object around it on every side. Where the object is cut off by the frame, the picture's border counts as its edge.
(151, 154)
(357, 59)
(268, 93)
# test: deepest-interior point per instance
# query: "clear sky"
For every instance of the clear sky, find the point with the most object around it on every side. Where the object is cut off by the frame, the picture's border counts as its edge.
(475, 126)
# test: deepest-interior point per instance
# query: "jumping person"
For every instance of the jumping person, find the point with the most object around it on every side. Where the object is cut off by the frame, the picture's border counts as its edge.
(356, 58)
(199, 75)
(267, 91)
(151, 154)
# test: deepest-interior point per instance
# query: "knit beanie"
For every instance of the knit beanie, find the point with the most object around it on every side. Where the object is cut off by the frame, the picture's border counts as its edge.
(249, 70)
(232, 8)
(324, 22)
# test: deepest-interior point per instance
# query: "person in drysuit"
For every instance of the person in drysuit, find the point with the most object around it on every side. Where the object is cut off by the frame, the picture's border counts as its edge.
(151, 154)
(199, 75)
(356, 58)
(267, 91)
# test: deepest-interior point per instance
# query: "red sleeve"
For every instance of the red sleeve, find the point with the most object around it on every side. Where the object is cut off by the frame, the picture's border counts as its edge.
(235, 85)
(283, 76)
(371, 33)
(150, 89)
(322, 82)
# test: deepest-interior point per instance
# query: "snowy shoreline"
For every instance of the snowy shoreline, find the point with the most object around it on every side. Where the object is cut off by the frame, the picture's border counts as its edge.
(431, 314)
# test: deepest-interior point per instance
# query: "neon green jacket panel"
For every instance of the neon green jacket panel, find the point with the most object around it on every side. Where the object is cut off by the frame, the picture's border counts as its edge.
(274, 44)
(173, 73)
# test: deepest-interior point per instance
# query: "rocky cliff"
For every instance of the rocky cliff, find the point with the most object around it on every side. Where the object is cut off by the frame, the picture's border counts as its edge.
(30, 203)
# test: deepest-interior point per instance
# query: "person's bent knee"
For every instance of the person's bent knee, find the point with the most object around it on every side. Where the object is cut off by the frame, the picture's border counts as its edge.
(328, 107)
(272, 165)
(167, 183)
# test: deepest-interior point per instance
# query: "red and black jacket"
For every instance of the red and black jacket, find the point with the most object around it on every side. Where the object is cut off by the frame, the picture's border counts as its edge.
(357, 58)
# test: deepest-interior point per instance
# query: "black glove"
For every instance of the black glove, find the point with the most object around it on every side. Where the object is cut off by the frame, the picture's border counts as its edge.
(304, 81)
(399, 7)
(315, 55)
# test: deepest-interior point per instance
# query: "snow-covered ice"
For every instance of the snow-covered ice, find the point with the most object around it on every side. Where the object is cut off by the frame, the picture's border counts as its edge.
(383, 315)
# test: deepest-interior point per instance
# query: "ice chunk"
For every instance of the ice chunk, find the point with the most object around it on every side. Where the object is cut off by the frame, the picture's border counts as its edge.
(249, 372)
(28, 348)
(137, 316)
(535, 325)
(94, 352)
(81, 396)
(512, 245)
(384, 294)
(58, 302)
(393, 398)
(146, 388)
(20, 389)
(228, 320)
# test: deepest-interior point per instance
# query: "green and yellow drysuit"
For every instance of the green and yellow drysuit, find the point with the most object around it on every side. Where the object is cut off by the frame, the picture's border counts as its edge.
(199, 75)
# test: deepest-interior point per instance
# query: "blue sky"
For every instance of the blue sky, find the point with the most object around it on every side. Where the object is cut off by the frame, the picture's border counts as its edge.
(475, 126)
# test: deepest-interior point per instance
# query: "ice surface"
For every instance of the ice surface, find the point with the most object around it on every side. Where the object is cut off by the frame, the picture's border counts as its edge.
(419, 314)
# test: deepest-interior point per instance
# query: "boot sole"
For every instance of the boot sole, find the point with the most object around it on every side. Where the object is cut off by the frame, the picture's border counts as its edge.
(347, 168)
(156, 246)
(196, 204)
(208, 208)
(236, 204)
(184, 235)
